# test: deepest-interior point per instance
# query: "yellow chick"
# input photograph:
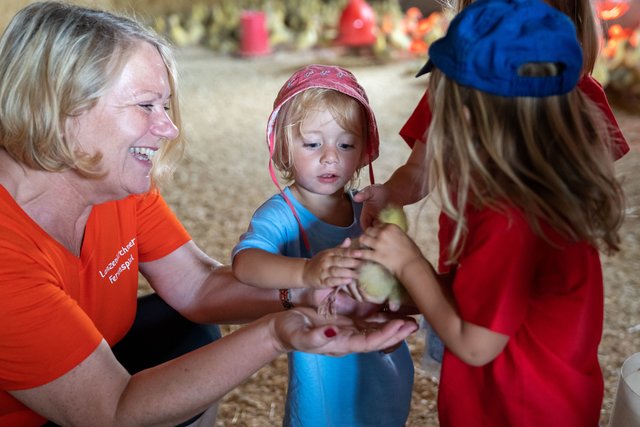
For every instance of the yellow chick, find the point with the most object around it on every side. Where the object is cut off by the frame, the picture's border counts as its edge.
(374, 279)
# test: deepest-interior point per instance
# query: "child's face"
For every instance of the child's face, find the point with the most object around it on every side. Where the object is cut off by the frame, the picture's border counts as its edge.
(325, 156)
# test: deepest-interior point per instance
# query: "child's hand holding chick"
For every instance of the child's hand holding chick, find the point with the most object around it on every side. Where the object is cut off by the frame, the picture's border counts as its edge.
(391, 247)
(329, 269)
(376, 283)
(367, 280)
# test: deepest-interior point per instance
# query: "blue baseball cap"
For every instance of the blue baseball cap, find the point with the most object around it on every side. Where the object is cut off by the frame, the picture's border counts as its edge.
(489, 40)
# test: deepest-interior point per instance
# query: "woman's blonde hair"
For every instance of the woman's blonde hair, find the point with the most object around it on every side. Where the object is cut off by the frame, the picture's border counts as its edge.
(584, 18)
(56, 61)
(347, 111)
(550, 157)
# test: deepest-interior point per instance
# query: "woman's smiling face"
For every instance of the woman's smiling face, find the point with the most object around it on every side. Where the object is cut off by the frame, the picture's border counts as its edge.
(128, 124)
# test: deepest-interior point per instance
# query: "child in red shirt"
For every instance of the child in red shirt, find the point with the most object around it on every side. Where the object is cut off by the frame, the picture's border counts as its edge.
(520, 163)
(407, 184)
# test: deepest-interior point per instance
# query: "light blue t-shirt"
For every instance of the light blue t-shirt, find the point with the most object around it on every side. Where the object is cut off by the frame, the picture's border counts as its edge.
(363, 389)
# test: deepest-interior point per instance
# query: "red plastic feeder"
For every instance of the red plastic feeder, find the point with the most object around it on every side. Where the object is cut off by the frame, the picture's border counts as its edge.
(254, 39)
(357, 24)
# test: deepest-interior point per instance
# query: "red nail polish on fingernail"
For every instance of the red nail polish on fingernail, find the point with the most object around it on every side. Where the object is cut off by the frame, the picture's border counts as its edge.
(329, 333)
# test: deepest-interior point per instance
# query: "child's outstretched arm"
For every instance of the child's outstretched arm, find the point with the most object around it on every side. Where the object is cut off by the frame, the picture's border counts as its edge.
(391, 247)
(406, 185)
(327, 269)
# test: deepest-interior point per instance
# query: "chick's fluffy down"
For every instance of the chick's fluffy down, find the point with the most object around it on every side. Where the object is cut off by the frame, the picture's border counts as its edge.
(374, 279)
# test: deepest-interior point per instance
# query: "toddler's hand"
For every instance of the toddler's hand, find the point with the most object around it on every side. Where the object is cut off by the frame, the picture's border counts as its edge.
(330, 268)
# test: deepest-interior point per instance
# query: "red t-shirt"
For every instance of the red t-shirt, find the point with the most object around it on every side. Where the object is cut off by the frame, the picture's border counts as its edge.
(415, 128)
(549, 300)
(56, 307)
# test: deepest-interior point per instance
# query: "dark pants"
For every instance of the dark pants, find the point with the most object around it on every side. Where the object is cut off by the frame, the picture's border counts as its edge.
(159, 333)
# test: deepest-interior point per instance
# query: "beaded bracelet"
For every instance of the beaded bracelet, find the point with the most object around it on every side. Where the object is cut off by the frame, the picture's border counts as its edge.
(284, 298)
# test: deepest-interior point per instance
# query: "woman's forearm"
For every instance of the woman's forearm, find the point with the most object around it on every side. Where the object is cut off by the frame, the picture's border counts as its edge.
(164, 395)
(222, 299)
(183, 387)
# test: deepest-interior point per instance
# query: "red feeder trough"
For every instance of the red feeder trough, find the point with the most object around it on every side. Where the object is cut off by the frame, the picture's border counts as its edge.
(254, 38)
(357, 25)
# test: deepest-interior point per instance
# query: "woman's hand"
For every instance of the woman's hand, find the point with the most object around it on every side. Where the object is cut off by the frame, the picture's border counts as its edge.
(343, 304)
(305, 330)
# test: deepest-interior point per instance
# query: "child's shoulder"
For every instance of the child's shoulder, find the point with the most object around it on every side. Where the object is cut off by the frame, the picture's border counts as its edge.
(511, 223)
(276, 204)
(504, 218)
(279, 209)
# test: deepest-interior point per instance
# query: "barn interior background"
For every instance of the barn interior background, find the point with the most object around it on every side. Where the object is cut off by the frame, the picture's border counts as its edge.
(235, 54)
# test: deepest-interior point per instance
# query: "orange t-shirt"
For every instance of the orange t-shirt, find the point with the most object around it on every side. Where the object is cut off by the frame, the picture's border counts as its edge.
(55, 308)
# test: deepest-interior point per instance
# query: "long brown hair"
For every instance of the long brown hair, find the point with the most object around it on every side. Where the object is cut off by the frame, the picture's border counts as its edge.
(549, 157)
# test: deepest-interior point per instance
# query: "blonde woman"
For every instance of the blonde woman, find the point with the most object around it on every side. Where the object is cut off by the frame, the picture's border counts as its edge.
(89, 119)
